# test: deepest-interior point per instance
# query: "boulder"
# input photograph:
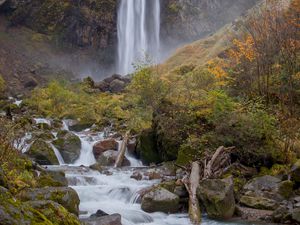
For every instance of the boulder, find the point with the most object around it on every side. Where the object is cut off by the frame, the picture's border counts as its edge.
(65, 196)
(160, 200)
(98, 214)
(109, 158)
(52, 179)
(131, 146)
(137, 176)
(259, 202)
(51, 210)
(97, 167)
(69, 146)
(43, 135)
(78, 126)
(296, 215)
(217, 197)
(114, 219)
(42, 153)
(295, 172)
(102, 86)
(105, 145)
(13, 211)
(250, 214)
(117, 86)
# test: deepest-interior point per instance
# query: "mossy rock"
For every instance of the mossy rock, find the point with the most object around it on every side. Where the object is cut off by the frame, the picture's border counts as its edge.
(55, 212)
(295, 172)
(259, 202)
(13, 212)
(69, 146)
(146, 147)
(42, 153)
(65, 196)
(285, 189)
(52, 179)
(43, 135)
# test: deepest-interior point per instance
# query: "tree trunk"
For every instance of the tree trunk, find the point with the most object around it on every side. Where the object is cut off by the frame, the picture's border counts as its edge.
(191, 186)
(122, 151)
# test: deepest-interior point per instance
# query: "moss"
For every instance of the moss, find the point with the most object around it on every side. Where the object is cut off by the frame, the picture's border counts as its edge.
(286, 189)
(168, 185)
(42, 153)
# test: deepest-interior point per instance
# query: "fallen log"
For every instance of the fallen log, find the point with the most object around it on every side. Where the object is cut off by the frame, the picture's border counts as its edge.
(191, 185)
(122, 150)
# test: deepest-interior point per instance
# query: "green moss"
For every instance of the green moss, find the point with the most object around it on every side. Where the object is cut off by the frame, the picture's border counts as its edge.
(42, 153)
(286, 189)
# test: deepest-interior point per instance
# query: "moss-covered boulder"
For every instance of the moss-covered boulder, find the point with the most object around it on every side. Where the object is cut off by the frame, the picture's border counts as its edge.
(13, 211)
(65, 196)
(146, 147)
(160, 200)
(42, 153)
(217, 197)
(52, 179)
(55, 212)
(43, 135)
(69, 146)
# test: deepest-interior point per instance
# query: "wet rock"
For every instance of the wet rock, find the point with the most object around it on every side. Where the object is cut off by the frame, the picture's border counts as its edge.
(153, 175)
(160, 200)
(109, 158)
(114, 219)
(131, 146)
(218, 197)
(51, 210)
(102, 86)
(43, 135)
(69, 146)
(65, 196)
(105, 145)
(99, 213)
(42, 153)
(97, 167)
(137, 176)
(78, 126)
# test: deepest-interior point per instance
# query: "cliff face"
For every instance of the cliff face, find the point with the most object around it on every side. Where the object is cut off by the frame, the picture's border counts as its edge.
(188, 20)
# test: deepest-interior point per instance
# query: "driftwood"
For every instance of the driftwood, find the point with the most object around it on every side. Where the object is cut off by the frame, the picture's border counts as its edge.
(209, 167)
(191, 185)
(122, 150)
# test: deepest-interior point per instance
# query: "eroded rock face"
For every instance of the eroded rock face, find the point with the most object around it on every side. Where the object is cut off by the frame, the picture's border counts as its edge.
(103, 146)
(42, 153)
(160, 200)
(69, 146)
(65, 196)
(218, 197)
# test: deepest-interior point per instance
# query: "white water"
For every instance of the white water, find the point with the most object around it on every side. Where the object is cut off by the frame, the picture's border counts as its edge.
(138, 33)
(116, 192)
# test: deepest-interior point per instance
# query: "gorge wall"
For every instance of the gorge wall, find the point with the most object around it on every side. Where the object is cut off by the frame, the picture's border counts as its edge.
(85, 32)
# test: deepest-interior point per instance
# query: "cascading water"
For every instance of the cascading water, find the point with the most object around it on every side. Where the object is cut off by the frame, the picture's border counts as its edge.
(138, 33)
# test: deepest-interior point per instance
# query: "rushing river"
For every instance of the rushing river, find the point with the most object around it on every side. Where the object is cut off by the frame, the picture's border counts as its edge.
(114, 191)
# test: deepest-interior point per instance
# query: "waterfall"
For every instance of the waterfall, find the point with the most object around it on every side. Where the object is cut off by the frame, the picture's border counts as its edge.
(138, 33)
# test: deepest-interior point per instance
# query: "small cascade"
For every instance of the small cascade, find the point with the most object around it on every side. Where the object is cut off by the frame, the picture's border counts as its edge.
(42, 120)
(138, 33)
(58, 155)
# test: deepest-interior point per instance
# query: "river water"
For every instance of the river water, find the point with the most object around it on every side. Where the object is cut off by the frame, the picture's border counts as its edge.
(114, 191)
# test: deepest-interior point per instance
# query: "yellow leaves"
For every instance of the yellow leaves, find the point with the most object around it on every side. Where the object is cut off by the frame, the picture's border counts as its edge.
(243, 50)
(218, 67)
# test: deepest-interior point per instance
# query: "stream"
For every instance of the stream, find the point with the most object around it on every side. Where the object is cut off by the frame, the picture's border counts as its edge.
(114, 191)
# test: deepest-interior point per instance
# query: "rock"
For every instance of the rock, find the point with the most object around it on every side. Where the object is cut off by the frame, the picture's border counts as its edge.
(137, 176)
(97, 167)
(283, 214)
(69, 146)
(102, 86)
(295, 172)
(259, 202)
(109, 157)
(105, 145)
(153, 175)
(52, 179)
(117, 86)
(65, 196)
(146, 148)
(51, 210)
(296, 215)
(160, 200)
(78, 126)
(43, 126)
(131, 146)
(42, 153)
(217, 197)
(114, 219)
(2, 2)
(253, 214)
(43, 135)
(99, 213)
(285, 189)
